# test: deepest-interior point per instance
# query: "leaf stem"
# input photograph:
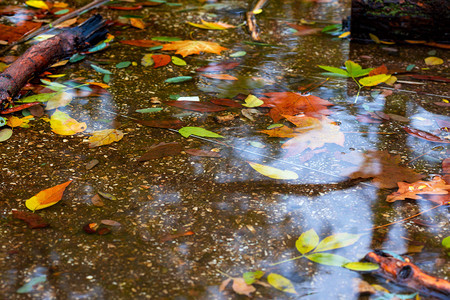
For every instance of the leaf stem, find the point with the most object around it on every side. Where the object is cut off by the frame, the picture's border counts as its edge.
(290, 259)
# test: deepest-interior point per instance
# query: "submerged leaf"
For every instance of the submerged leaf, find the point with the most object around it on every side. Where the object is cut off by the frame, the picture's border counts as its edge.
(336, 241)
(273, 172)
(374, 80)
(307, 241)
(328, 259)
(63, 124)
(361, 266)
(187, 131)
(161, 150)
(432, 61)
(104, 137)
(251, 277)
(252, 101)
(281, 283)
(437, 186)
(188, 47)
(47, 197)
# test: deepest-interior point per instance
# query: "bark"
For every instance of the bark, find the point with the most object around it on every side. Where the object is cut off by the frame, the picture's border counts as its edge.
(44, 54)
(407, 274)
(401, 20)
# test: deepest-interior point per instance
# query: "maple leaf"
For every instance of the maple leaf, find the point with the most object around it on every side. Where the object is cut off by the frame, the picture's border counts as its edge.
(292, 104)
(437, 186)
(385, 170)
(190, 47)
(315, 137)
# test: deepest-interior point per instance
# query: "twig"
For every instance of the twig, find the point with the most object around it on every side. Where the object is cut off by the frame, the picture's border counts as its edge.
(251, 20)
(66, 17)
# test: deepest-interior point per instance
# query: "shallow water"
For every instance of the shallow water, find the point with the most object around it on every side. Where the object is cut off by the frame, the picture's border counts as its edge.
(242, 221)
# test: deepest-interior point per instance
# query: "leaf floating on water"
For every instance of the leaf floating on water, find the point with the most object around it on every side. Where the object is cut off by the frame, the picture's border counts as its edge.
(173, 124)
(178, 79)
(336, 241)
(30, 285)
(361, 266)
(433, 61)
(63, 124)
(374, 80)
(238, 54)
(161, 150)
(47, 197)
(281, 283)
(252, 277)
(273, 172)
(219, 76)
(107, 196)
(307, 241)
(328, 259)
(187, 131)
(425, 135)
(141, 43)
(437, 186)
(189, 47)
(165, 38)
(252, 101)
(33, 220)
(149, 110)
(105, 137)
(212, 25)
(199, 152)
(37, 4)
(218, 67)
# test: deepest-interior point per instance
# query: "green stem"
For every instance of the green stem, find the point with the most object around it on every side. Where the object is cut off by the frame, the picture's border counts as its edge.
(290, 259)
(359, 89)
(223, 273)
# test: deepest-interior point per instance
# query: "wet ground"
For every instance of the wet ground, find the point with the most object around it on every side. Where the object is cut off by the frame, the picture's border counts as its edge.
(241, 220)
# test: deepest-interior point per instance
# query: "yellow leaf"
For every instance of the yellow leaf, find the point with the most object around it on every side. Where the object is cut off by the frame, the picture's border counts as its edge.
(47, 197)
(344, 35)
(138, 23)
(374, 80)
(60, 5)
(60, 99)
(220, 76)
(273, 172)
(37, 4)
(212, 25)
(252, 101)
(66, 23)
(56, 75)
(100, 84)
(60, 63)
(14, 121)
(391, 80)
(374, 38)
(63, 124)
(105, 137)
(190, 47)
(433, 61)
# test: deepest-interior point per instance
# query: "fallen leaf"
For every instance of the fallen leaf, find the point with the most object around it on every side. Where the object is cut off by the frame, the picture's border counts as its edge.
(252, 101)
(33, 220)
(218, 67)
(242, 288)
(37, 4)
(219, 76)
(137, 22)
(47, 197)
(5, 134)
(303, 30)
(97, 201)
(437, 186)
(63, 124)
(199, 152)
(110, 223)
(189, 47)
(141, 43)
(380, 70)
(189, 130)
(161, 150)
(283, 132)
(281, 283)
(197, 106)
(178, 79)
(161, 60)
(212, 25)
(433, 61)
(173, 123)
(226, 102)
(15, 33)
(170, 237)
(425, 135)
(107, 196)
(273, 172)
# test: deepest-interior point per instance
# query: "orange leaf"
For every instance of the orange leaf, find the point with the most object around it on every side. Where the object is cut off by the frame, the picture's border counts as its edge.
(161, 60)
(380, 70)
(141, 43)
(47, 197)
(284, 132)
(189, 47)
(220, 76)
(437, 186)
(138, 23)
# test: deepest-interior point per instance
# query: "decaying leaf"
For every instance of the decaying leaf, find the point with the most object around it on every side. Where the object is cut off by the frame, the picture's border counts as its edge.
(437, 186)
(212, 25)
(47, 197)
(273, 172)
(239, 286)
(161, 150)
(63, 124)
(281, 283)
(199, 152)
(137, 22)
(425, 135)
(161, 60)
(189, 47)
(104, 137)
(219, 76)
(33, 220)
(141, 43)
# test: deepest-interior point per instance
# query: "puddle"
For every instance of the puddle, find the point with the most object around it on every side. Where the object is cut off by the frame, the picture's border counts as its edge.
(186, 220)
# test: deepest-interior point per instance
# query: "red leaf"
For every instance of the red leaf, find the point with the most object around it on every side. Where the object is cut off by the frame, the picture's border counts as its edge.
(216, 67)
(173, 123)
(161, 60)
(33, 220)
(197, 106)
(161, 150)
(141, 43)
(226, 102)
(137, 7)
(170, 237)
(429, 77)
(14, 33)
(199, 152)
(380, 70)
(425, 135)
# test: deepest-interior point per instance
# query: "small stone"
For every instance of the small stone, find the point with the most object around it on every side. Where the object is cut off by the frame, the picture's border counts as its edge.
(91, 164)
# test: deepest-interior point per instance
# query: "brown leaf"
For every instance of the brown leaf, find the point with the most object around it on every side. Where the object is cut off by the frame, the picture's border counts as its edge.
(161, 60)
(14, 33)
(380, 70)
(170, 237)
(218, 67)
(425, 135)
(242, 288)
(97, 201)
(161, 150)
(226, 102)
(224, 284)
(385, 170)
(199, 152)
(437, 186)
(33, 220)
(141, 43)
(197, 106)
(137, 22)
(110, 223)
(219, 76)
(283, 132)
(173, 123)
(303, 30)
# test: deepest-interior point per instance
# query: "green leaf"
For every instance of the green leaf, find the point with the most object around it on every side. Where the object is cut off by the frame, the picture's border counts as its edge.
(178, 79)
(5, 134)
(100, 70)
(335, 70)
(307, 241)
(123, 64)
(155, 48)
(251, 277)
(106, 78)
(361, 266)
(374, 80)
(62, 11)
(149, 110)
(107, 196)
(238, 54)
(28, 287)
(252, 101)
(328, 74)
(274, 126)
(44, 97)
(333, 27)
(281, 283)
(187, 131)
(178, 61)
(76, 57)
(410, 67)
(328, 259)
(336, 241)
(352, 68)
(165, 38)
(446, 242)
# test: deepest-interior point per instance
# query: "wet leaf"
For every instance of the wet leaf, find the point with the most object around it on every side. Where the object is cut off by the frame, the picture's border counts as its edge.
(165, 38)
(335, 70)
(105, 137)
(219, 76)
(252, 101)
(336, 241)
(374, 80)
(170, 237)
(14, 33)
(281, 283)
(188, 47)
(149, 110)
(47, 197)
(141, 43)
(446, 242)
(33, 220)
(123, 64)
(273, 172)
(43, 97)
(284, 132)
(137, 22)
(178, 79)
(5, 134)
(238, 54)
(218, 67)
(37, 4)
(212, 25)
(199, 152)
(242, 288)
(197, 106)
(178, 61)
(307, 241)
(425, 135)
(110, 223)
(355, 70)
(187, 131)
(30, 285)
(63, 124)
(161, 150)
(226, 102)
(100, 70)
(161, 60)
(433, 61)
(361, 266)
(97, 201)
(328, 259)
(251, 277)
(147, 60)
(107, 196)
(60, 99)
(437, 186)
